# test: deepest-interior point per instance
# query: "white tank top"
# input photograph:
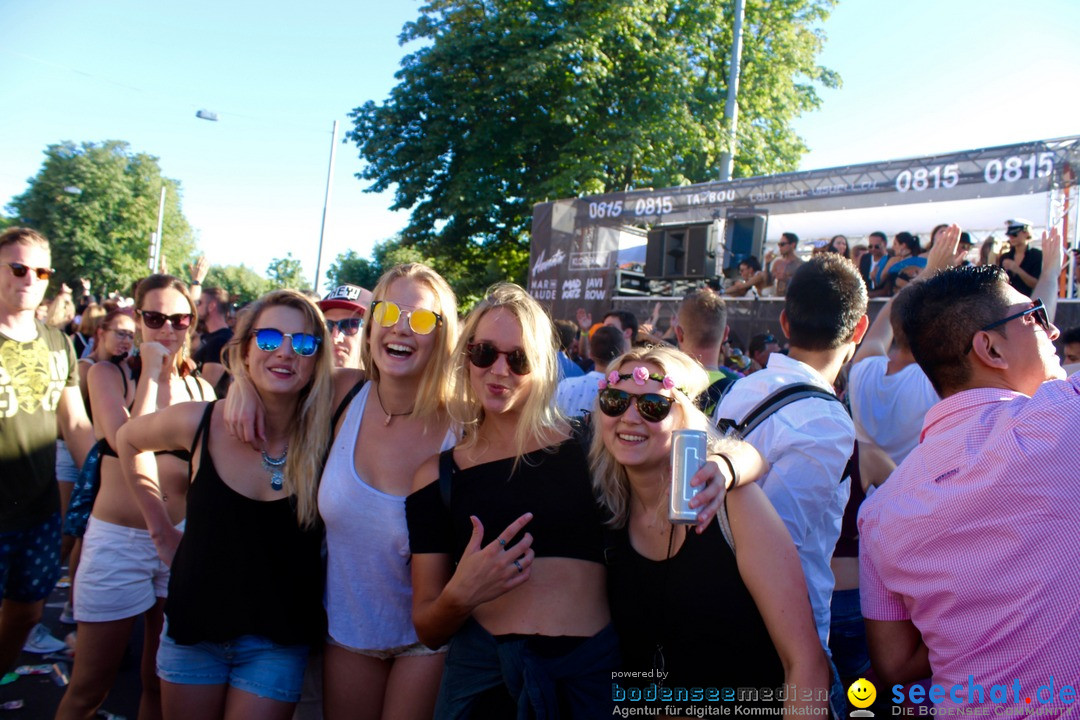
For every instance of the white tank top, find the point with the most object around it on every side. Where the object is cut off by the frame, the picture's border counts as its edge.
(368, 586)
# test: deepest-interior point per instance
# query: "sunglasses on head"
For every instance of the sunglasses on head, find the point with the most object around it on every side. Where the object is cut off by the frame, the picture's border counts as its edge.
(652, 407)
(348, 326)
(19, 270)
(421, 321)
(483, 355)
(154, 320)
(270, 339)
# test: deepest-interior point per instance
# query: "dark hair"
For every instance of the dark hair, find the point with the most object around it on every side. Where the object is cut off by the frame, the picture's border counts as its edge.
(606, 344)
(627, 320)
(911, 242)
(825, 300)
(831, 247)
(220, 296)
(751, 262)
(899, 308)
(1072, 335)
(941, 316)
(163, 282)
(565, 332)
(22, 236)
(758, 343)
(879, 234)
(790, 237)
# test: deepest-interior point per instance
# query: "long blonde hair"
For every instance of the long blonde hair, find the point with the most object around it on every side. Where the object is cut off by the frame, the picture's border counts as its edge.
(310, 436)
(609, 478)
(539, 416)
(433, 393)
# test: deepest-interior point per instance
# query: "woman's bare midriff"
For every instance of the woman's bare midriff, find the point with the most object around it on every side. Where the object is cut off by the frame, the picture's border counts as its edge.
(563, 596)
(115, 501)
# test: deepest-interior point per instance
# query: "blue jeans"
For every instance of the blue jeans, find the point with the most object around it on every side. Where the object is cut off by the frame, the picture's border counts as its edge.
(575, 685)
(847, 635)
(251, 663)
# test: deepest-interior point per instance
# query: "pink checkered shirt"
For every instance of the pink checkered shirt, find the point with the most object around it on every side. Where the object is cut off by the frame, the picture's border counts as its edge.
(976, 539)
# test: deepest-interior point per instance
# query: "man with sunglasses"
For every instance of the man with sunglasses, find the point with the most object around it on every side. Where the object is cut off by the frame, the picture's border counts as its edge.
(784, 267)
(969, 558)
(872, 265)
(808, 442)
(213, 308)
(344, 309)
(39, 391)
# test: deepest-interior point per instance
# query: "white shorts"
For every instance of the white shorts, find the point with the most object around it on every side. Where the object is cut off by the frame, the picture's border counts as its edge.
(66, 470)
(119, 575)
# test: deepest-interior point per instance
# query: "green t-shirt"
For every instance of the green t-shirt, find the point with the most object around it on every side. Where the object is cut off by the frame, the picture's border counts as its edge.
(32, 377)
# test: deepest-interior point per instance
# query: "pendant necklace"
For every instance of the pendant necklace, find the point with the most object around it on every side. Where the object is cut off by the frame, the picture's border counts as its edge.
(389, 415)
(276, 467)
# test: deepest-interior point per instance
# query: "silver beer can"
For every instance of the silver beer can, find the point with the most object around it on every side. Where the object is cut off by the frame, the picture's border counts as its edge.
(688, 449)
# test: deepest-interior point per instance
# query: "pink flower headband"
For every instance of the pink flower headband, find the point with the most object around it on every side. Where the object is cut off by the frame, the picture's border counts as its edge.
(640, 375)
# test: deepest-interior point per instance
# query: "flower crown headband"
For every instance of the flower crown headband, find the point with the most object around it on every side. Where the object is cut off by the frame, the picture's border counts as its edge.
(640, 375)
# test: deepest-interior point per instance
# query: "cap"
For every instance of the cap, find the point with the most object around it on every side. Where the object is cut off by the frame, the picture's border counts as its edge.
(965, 238)
(1014, 226)
(347, 297)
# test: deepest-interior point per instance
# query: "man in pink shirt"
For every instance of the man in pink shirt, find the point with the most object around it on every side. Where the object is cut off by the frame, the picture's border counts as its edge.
(970, 563)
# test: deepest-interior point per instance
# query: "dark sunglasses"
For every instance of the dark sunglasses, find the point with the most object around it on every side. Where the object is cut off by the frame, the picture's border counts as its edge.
(348, 326)
(1037, 310)
(484, 355)
(270, 339)
(652, 407)
(19, 270)
(154, 320)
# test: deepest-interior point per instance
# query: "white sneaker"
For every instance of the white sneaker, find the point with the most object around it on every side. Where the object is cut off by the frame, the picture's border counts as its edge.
(41, 642)
(67, 615)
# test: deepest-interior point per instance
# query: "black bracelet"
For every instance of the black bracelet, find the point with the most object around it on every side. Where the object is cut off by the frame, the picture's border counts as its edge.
(731, 468)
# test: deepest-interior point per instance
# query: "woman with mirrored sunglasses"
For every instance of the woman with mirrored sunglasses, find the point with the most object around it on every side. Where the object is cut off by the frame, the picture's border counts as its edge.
(726, 608)
(245, 593)
(120, 576)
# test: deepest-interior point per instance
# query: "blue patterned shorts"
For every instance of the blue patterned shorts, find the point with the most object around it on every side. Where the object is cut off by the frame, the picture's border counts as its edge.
(30, 561)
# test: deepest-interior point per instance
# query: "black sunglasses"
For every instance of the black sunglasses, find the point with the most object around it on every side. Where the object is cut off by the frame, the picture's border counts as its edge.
(652, 407)
(19, 270)
(348, 326)
(483, 355)
(154, 320)
(1038, 310)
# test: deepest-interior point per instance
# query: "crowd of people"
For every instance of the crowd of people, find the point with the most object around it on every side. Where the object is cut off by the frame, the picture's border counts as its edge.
(362, 505)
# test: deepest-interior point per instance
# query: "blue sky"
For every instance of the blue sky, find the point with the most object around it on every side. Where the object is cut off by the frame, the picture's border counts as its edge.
(920, 76)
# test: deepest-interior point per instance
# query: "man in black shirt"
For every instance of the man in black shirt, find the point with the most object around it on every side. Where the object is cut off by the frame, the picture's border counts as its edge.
(212, 306)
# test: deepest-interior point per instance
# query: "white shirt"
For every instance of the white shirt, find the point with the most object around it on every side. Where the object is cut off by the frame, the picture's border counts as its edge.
(889, 409)
(808, 444)
(576, 396)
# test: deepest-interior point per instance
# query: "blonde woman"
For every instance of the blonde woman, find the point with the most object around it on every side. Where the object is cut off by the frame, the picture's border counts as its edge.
(374, 666)
(709, 610)
(119, 575)
(244, 602)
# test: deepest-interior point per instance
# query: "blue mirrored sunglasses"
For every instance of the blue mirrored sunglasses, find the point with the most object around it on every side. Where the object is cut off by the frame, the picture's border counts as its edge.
(270, 339)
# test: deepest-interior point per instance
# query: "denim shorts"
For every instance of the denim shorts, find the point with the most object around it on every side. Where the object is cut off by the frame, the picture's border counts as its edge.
(250, 662)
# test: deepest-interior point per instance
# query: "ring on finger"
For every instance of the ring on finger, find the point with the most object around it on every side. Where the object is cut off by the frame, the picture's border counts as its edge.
(518, 566)
(502, 543)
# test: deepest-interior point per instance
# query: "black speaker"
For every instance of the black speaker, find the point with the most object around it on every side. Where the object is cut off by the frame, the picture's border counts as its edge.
(745, 237)
(685, 251)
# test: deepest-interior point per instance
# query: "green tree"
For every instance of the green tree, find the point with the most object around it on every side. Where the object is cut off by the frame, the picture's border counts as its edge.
(287, 272)
(240, 281)
(511, 102)
(97, 203)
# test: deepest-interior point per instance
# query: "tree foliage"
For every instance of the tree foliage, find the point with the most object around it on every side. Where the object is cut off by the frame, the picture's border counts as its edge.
(97, 203)
(287, 272)
(241, 282)
(511, 102)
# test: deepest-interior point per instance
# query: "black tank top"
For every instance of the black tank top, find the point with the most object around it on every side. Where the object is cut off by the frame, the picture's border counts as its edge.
(244, 567)
(696, 606)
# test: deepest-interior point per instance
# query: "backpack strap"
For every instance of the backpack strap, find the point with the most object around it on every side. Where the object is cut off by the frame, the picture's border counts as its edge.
(447, 467)
(345, 402)
(777, 400)
(708, 400)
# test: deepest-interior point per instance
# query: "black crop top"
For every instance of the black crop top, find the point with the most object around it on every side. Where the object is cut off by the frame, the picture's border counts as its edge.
(244, 566)
(553, 484)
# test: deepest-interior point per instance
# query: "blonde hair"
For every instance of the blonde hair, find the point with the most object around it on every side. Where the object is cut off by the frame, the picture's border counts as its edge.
(609, 478)
(310, 437)
(539, 416)
(91, 319)
(61, 311)
(433, 393)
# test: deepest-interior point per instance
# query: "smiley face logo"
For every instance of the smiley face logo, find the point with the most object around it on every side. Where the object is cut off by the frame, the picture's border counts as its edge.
(862, 693)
